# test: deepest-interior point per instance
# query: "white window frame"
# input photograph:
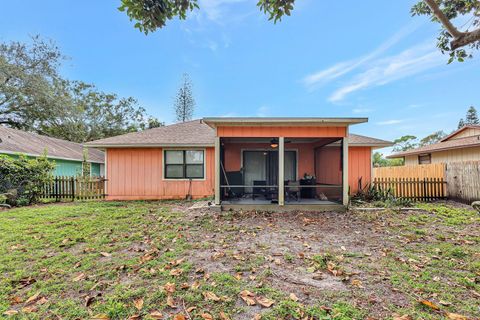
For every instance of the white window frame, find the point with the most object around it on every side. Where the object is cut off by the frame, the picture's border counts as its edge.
(184, 179)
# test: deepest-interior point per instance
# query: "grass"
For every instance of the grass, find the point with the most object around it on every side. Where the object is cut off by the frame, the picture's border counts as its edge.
(119, 260)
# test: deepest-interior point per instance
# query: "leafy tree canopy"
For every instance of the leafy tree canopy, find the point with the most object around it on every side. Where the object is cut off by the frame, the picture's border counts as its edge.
(184, 101)
(150, 15)
(432, 138)
(405, 143)
(380, 161)
(34, 97)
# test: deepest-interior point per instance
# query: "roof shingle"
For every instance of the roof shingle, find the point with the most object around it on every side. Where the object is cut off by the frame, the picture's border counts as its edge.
(17, 141)
(194, 133)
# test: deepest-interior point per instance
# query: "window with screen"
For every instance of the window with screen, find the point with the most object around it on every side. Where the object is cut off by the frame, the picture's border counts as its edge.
(184, 164)
(425, 159)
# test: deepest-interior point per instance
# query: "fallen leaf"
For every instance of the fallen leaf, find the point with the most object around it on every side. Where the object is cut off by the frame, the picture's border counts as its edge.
(176, 272)
(293, 297)
(138, 303)
(89, 300)
(357, 283)
(156, 315)
(190, 309)
(30, 308)
(79, 277)
(33, 298)
(135, 317)
(10, 312)
(179, 317)
(100, 316)
(15, 300)
(208, 295)
(454, 316)
(257, 317)
(171, 302)
(429, 304)
(404, 317)
(223, 316)
(265, 302)
(247, 296)
(206, 316)
(169, 287)
(106, 254)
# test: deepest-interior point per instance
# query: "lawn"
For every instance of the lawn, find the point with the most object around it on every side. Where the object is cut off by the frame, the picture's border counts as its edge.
(162, 260)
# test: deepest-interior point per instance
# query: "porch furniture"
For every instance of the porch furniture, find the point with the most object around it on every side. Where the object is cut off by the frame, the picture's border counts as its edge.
(259, 191)
(309, 192)
(293, 190)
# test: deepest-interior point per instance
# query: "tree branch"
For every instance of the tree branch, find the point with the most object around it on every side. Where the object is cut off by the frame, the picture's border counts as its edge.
(443, 19)
(465, 39)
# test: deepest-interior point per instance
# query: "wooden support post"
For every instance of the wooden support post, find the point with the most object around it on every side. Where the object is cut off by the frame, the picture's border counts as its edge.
(345, 169)
(217, 170)
(281, 171)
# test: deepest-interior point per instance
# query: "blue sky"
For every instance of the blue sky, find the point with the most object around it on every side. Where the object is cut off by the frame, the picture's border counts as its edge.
(330, 58)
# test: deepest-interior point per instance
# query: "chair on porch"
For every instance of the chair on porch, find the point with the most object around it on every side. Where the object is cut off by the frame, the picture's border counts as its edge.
(259, 191)
(293, 190)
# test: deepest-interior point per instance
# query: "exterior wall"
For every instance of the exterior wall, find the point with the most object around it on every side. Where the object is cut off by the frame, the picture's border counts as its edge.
(137, 174)
(454, 155)
(66, 168)
(359, 166)
(469, 132)
(272, 131)
(329, 165)
(233, 155)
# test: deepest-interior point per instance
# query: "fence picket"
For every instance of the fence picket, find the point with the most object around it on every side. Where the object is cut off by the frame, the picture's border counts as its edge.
(62, 188)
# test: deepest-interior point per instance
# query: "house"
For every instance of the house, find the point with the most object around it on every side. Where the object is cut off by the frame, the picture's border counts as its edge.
(67, 155)
(461, 145)
(244, 162)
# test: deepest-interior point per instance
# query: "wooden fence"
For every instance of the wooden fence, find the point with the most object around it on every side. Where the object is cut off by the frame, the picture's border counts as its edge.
(435, 170)
(71, 188)
(463, 181)
(426, 189)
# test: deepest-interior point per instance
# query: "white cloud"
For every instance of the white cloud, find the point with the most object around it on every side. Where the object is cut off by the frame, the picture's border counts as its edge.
(217, 10)
(262, 111)
(361, 110)
(389, 122)
(316, 79)
(382, 71)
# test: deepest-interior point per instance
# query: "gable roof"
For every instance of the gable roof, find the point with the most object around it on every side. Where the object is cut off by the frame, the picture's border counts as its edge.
(453, 134)
(13, 141)
(467, 142)
(195, 133)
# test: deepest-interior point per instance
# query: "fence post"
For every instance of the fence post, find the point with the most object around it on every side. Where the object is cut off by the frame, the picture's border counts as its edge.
(72, 187)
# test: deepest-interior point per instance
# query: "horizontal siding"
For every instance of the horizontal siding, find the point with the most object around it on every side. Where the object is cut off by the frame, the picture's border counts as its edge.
(290, 132)
(137, 174)
(455, 155)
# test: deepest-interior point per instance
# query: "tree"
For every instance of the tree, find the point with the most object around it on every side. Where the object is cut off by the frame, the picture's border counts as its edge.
(380, 161)
(150, 15)
(30, 86)
(405, 143)
(184, 101)
(34, 97)
(432, 138)
(471, 118)
(154, 123)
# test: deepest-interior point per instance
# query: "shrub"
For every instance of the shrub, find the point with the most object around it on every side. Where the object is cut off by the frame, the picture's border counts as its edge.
(22, 179)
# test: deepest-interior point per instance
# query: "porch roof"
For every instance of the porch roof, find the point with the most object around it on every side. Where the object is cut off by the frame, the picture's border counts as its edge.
(281, 121)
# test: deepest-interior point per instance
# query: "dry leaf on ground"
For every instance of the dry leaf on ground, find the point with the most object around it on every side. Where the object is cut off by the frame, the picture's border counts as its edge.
(208, 295)
(265, 302)
(248, 297)
(138, 303)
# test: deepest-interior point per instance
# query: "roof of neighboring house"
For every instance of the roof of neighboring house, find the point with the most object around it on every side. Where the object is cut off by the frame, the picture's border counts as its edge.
(453, 134)
(13, 141)
(467, 142)
(193, 133)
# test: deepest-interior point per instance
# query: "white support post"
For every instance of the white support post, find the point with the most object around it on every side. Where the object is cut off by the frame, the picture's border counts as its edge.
(281, 171)
(217, 170)
(345, 170)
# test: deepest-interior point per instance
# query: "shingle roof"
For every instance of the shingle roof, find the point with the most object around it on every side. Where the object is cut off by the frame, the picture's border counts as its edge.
(466, 142)
(193, 133)
(17, 141)
(356, 139)
(453, 134)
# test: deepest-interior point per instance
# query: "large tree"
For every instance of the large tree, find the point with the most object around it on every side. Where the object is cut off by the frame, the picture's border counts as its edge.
(405, 143)
(149, 15)
(184, 101)
(471, 118)
(34, 97)
(432, 138)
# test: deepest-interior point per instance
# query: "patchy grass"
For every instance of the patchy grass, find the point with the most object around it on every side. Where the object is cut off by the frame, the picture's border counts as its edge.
(146, 260)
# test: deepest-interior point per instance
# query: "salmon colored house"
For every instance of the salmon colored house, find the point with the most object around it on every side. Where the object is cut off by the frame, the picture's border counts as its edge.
(262, 163)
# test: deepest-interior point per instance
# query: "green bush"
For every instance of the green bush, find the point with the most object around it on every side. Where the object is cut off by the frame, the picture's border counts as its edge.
(22, 179)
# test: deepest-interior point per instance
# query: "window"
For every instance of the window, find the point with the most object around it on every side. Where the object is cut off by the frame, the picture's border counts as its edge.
(425, 158)
(184, 164)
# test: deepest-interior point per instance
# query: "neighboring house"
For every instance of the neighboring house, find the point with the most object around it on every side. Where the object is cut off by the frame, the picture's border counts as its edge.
(68, 156)
(461, 145)
(239, 161)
